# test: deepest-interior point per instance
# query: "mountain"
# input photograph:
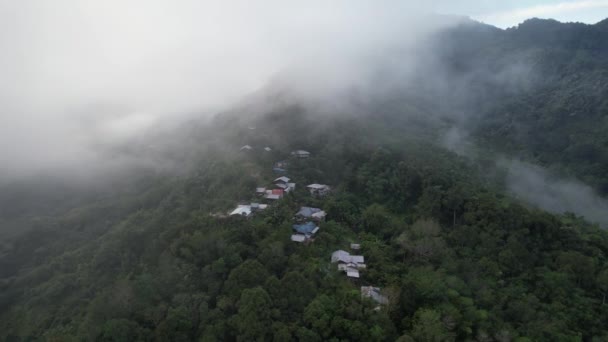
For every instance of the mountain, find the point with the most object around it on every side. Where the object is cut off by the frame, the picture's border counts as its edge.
(454, 254)
(557, 114)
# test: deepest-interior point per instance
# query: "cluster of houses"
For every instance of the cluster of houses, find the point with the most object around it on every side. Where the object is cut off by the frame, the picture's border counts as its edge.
(282, 186)
(351, 265)
(307, 220)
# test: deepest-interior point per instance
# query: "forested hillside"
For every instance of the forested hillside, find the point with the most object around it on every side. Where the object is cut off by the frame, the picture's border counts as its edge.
(541, 92)
(156, 257)
(456, 259)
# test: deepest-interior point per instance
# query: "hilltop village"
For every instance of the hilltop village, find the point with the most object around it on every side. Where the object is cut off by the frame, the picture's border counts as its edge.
(308, 220)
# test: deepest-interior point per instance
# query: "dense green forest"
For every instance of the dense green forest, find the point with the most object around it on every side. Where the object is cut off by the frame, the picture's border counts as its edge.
(457, 258)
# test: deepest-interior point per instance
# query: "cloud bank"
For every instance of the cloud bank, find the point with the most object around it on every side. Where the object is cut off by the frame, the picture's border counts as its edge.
(79, 75)
(556, 194)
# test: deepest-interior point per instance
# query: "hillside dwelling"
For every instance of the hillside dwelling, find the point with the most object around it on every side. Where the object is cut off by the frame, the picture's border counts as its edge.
(308, 228)
(352, 273)
(318, 190)
(344, 257)
(351, 264)
(258, 206)
(287, 187)
(306, 213)
(355, 246)
(267, 149)
(246, 148)
(298, 238)
(282, 180)
(304, 232)
(374, 294)
(260, 191)
(278, 170)
(242, 210)
(247, 210)
(274, 194)
(300, 154)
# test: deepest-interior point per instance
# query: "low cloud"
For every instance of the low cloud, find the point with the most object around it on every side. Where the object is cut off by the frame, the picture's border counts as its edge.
(550, 192)
(83, 75)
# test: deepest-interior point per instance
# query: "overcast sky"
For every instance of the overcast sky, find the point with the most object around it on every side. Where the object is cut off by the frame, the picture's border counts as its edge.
(512, 12)
(79, 73)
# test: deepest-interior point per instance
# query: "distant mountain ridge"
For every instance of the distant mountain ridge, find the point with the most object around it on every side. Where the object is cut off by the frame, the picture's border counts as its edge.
(539, 91)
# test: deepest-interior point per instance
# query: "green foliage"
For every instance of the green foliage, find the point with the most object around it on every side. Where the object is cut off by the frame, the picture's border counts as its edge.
(428, 327)
(254, 315)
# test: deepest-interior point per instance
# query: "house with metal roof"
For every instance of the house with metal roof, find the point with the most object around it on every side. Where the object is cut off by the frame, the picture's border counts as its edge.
(298, 238)
(287, 187)
(306, 213)
(351, 264)
(306, 228)
(318, 190)
(282, 180)
(260, 191)
(246, 148)
(247, 210)
(258, 206)
(242, 210)
(304, 232)
(274, 194)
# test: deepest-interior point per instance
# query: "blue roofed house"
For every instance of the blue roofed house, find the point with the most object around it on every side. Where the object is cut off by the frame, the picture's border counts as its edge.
(304, 232)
